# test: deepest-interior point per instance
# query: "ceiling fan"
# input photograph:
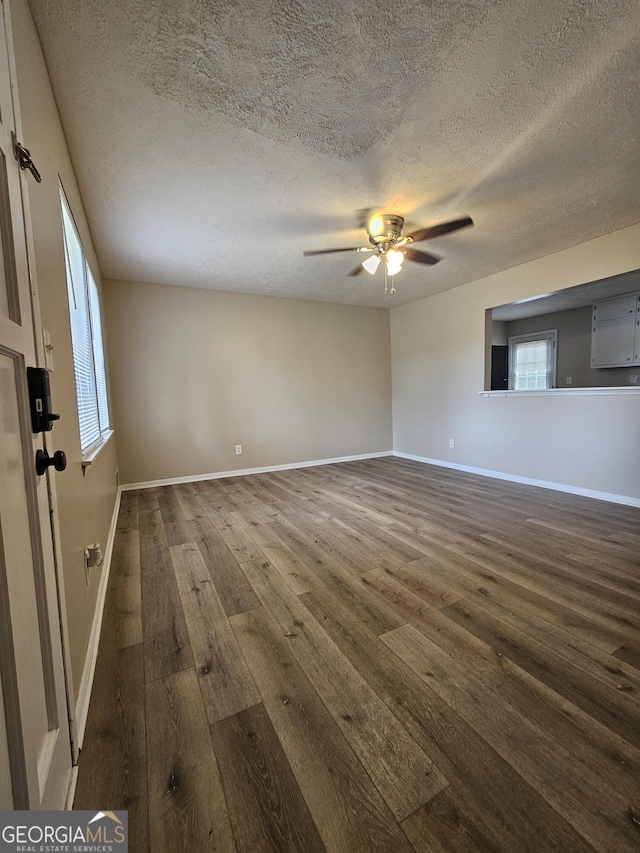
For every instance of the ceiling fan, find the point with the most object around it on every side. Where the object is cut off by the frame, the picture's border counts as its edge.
(389, 246)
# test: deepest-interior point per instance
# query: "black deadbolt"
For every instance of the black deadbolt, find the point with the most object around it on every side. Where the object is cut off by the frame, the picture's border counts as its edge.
(43, 461)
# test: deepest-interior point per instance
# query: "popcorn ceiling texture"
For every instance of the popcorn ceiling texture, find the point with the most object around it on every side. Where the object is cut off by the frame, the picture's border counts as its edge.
(214, 141)
(333, 76)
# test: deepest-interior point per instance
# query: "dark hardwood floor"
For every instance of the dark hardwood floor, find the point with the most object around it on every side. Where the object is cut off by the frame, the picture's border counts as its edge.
(371, 656)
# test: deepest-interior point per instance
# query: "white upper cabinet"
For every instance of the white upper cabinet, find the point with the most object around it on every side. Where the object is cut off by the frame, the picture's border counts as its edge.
(615, 332)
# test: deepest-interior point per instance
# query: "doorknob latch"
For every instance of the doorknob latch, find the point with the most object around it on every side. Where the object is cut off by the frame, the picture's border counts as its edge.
(44, 461)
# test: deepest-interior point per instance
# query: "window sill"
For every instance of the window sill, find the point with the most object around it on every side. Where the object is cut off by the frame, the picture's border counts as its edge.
(560, 392)
(90, 455)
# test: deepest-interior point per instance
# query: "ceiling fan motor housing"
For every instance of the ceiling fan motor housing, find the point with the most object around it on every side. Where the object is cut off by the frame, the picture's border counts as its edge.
(389, 232)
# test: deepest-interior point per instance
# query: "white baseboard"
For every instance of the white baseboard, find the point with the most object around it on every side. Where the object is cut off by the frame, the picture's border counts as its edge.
(84, 694)
(527, 481)
(242, 472)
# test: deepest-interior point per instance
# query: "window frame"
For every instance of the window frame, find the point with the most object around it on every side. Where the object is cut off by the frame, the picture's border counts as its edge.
(86, 334)
(533, 337)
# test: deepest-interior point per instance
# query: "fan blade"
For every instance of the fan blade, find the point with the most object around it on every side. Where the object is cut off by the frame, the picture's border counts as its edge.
(420, 257)
(442, 228)
(357, 270)
(329, 251)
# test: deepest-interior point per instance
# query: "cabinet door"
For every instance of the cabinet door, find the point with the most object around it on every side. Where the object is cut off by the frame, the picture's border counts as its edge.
(612, 342)
(621, 306)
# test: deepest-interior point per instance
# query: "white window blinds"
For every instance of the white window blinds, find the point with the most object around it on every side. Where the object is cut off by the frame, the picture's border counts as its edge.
(86, 338)
(532, 361)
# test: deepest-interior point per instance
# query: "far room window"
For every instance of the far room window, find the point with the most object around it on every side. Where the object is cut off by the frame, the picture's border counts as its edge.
(532, 361)
(86, 339)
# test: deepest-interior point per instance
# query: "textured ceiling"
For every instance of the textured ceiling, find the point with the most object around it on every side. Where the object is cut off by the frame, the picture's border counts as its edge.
(215, 141)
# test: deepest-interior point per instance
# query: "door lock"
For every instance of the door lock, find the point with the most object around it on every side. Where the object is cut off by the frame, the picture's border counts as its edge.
(42, 417)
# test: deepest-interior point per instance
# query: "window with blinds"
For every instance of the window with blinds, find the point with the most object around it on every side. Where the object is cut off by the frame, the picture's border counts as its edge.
(86, 338)
(532, 361)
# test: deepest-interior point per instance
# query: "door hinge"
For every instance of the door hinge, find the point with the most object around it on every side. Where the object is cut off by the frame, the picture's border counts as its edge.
(23, 157)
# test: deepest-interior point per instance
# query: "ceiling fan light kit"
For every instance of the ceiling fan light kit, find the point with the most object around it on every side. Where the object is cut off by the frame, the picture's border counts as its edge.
(384, 231)
(371, 264)
(394, 260)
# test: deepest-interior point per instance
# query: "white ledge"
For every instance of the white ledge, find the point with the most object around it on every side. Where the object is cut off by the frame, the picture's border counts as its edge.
(93, 452)
(544, 392)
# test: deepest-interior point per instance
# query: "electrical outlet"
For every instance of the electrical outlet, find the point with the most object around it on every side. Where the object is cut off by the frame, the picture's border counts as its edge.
(238, 449)
(452, 442)
(634, 379)
(569, 380)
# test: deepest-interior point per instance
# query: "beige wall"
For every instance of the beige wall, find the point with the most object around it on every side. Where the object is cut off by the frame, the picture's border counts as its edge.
(195, 372)
(85, 503)
(438, 355)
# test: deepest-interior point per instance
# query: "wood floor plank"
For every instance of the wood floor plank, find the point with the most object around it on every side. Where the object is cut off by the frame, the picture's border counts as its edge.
(606, 750)
(415, 578)
(582, 533)
(346, 806)
(294, 485)
(112, 769)
(467, 578)
(427, 659)
(273, 548)
(231, 584)
(341, 502)
(241, 545)
(525, 571)
(245, 500)
(122, 618)
(345, 585)
(489, 587)
(187, 497)
(401, 771)
(313, 539)
(514, 531)
(360, 551)
(598, 814)
(615, 581)
(266, 807)
(187, 807)
(268, 490)
(607, 568)
(176, 525)
(128, 511)
(165, 638)
(217, 493)
(391, 549)
(603, 689)
(489, 786)
(447, 825)
(225, 682)
(539, 576)
(629, 653)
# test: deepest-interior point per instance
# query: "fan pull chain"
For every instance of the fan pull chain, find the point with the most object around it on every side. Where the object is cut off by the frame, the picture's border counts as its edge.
(387, 290)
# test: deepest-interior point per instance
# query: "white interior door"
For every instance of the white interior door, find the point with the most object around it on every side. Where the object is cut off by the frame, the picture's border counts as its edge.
(35, 752)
